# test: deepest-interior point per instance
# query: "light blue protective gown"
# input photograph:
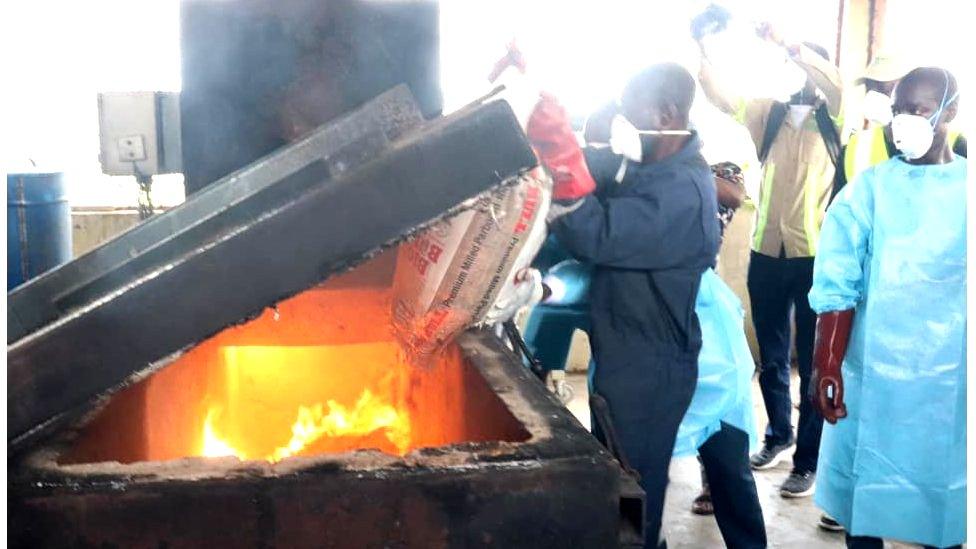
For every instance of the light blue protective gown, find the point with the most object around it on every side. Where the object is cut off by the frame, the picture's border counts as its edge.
(893, 246)
(725, 369)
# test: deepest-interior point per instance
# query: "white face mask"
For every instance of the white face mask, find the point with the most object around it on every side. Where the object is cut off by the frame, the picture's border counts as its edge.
(625, 138)
(877, 108)
(799, 113)
(914, 134)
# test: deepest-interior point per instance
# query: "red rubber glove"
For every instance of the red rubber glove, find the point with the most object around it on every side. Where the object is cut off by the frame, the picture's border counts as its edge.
(830, 346)
(552, 136)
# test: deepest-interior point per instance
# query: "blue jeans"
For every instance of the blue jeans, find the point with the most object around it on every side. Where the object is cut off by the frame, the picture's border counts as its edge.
(777, 285)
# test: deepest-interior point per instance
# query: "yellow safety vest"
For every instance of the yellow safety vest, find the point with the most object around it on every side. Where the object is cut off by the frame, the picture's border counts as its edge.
(867, 148)
(799, 210)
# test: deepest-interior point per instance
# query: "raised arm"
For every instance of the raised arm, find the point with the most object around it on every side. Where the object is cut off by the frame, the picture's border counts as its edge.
(823, 73)
(751, 113)
(722, 98)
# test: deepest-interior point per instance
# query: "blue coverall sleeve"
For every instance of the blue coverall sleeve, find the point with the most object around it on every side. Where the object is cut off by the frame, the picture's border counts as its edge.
(603, 165)
(647, 230)
(845, 242)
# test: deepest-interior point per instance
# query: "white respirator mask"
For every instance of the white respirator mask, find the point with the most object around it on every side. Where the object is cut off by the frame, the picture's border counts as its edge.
(914, 134)
(877, 108)
(625, 138)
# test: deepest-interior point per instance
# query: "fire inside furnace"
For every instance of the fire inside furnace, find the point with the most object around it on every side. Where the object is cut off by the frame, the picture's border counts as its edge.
(370, 414)
(319, 374)
(273, 402)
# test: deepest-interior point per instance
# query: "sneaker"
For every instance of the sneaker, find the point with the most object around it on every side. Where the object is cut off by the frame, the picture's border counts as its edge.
(798, 485)
(769, 456)
(829, 524)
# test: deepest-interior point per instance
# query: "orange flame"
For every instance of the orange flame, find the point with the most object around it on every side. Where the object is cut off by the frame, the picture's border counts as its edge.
(369, 415)
(213, 445)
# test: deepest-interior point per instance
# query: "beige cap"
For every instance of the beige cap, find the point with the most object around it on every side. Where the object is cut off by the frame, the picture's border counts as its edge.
(885, 67)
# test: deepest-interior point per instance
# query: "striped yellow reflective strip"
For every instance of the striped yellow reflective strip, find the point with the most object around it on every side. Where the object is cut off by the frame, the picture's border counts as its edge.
(865, 149)
(953, 137)
(854, 149)
(740, 112)
(765, 192)
(879, 151)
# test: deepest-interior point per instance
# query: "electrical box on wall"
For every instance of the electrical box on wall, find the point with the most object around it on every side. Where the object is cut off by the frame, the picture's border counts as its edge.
(139, 133)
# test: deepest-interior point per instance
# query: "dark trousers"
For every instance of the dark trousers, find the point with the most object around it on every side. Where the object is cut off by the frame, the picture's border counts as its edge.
(777, 285)
(867, 542)
(647, 438)
(725, 458)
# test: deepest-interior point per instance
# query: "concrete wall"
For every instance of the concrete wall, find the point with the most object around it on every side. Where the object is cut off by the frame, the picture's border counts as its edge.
(89, 228)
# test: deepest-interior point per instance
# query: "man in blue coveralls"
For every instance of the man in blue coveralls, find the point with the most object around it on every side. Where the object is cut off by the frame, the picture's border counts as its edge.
(647, 221)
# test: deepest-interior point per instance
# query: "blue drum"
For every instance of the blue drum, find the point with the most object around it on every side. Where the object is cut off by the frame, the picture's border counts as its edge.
(38, 225)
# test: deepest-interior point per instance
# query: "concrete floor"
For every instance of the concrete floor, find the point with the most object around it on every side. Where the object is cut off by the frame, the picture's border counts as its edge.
(789, 523)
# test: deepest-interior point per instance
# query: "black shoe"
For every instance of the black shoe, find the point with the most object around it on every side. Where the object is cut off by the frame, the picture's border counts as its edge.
(829, 524)
(769, 456)
(798, 485)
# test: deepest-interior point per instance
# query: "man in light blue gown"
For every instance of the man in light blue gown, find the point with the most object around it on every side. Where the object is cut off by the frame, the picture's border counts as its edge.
(890, 277)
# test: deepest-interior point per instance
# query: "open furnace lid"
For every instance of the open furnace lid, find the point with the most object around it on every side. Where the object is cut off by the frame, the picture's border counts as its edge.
(264, 233)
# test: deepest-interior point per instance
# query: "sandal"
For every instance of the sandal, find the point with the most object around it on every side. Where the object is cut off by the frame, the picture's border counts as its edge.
(702, 505)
